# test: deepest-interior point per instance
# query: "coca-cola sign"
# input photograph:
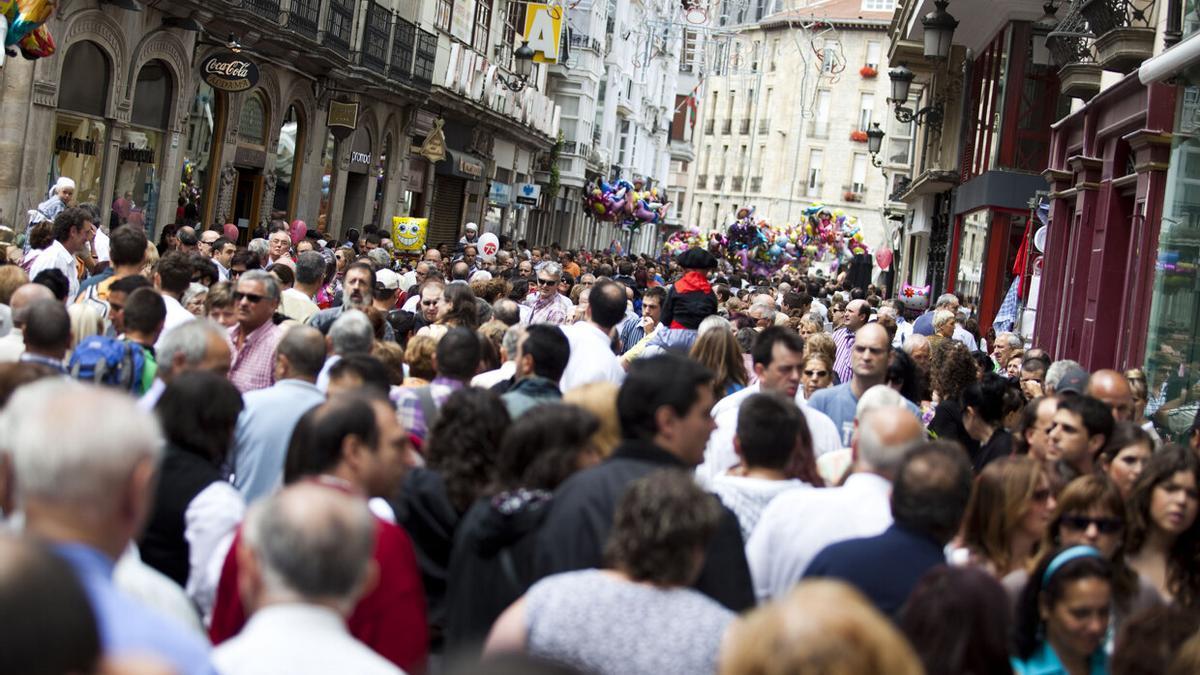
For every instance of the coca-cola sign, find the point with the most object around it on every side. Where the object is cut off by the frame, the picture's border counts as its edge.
(229, 72)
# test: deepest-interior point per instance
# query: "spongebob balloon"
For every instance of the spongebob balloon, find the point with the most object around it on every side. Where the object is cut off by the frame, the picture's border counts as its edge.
(408, 234)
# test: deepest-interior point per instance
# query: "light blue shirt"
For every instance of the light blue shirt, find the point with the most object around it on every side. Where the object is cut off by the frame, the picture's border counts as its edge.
(966, 338)
(1043, 661)
(841, 405)
(264, 430)
(127, 627)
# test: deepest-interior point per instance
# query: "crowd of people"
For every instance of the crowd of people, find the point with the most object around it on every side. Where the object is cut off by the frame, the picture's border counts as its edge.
(279, 452)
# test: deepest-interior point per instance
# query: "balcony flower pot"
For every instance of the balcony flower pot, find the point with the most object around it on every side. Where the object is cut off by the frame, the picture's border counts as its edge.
(868, 73)
(1080, 80)
(858, 135)
(851, 196)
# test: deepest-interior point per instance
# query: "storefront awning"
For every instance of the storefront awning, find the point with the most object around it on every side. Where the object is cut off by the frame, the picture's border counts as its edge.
(462, 165)
(1171, 62)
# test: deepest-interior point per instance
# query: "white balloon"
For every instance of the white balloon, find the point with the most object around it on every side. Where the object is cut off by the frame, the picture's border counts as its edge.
(489, 244)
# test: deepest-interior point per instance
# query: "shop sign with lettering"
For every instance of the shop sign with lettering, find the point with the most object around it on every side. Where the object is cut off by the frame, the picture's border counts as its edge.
(433, 148)
(77, 146)
(528, 194)
(342, 119)
(229, 72)
(500, 194)
(129, 153)
(470, 167)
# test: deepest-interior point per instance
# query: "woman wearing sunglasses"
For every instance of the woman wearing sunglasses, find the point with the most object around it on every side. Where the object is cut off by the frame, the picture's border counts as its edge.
(1091, 512)
(818, 373)
(1010, 508)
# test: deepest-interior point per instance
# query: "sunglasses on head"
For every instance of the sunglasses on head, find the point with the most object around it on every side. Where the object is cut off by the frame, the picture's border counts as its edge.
(1103, 525)
(254, 299)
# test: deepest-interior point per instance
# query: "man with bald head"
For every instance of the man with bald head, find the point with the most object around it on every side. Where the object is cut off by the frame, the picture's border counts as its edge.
(12, 346)
(270, 415)
(1113, 390)
(857, 313)
(871, 350)
(799, 524)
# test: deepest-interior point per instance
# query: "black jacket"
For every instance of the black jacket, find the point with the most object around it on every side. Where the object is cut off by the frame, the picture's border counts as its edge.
(163, 545)
(424, 510)
(577, 526)
(491, 565)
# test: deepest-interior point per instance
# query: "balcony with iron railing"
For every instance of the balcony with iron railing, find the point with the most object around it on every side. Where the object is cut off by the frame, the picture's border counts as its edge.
(339, 24)
(404, 48)
(303, 17)
(425, 57)
(1124, 31)
(763, 126)
(584, 41)
(726, 127)
(709, 125)
(736, 183)
(376, 34)
(745, 127)
(1070, 45)
(266, 9)
(702, 182)
(756, 184)
(718, 182)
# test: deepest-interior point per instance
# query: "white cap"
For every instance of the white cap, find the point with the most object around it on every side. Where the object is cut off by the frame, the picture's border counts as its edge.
(388, 279)
(472, 227)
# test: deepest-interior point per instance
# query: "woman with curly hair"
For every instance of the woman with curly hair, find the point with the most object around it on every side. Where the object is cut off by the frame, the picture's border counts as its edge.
(953, 371)
(461, 453)
(1163, 536)
(492, 562)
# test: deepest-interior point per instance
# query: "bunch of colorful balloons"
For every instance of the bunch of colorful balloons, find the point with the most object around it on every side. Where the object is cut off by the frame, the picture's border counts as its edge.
(628, 204)
(693, 237)
(21, 27)
(831, 231)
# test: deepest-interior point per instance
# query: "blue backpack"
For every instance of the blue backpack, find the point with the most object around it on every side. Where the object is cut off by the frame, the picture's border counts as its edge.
(110, 362)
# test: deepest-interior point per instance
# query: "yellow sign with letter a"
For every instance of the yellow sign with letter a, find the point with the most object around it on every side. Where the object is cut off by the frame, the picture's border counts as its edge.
(543, 31)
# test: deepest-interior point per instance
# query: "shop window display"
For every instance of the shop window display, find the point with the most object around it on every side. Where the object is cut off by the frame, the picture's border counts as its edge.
(80, 133)
(203, 118)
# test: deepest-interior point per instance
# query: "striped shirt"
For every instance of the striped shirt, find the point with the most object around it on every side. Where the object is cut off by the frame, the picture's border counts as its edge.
(844, 339)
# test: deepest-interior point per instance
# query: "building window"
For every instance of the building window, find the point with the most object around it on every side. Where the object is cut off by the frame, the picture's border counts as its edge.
(879, 5)
(866, 110)
(830, 56)
(858, 174)
(874, 50)
(442, 13)
(774, 53)
(815, 159)
(483, 25)
(252, 123)
(821, 124)
(623, 150)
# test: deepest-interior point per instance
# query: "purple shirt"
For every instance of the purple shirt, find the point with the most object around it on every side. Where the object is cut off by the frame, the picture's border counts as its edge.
(844, 340)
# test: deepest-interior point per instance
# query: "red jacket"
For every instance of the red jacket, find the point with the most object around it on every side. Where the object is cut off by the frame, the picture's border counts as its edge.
(390, 619)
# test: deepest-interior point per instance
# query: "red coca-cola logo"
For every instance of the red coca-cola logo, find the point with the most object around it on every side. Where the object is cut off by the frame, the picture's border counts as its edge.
(229, 72)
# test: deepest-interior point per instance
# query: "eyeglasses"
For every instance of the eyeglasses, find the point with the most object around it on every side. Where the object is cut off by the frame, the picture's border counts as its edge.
(816, 373)
(1042, 495)
(547, 282)
(1082, 523)
(238, 296)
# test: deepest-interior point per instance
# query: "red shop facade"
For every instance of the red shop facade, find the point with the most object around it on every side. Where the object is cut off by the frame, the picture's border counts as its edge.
(1108, 171)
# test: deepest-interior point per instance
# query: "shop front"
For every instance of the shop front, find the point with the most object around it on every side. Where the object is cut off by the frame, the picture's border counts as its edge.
(458, 189)
(1108, 173)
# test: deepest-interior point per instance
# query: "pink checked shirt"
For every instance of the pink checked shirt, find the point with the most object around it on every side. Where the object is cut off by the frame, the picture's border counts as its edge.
(254, 364)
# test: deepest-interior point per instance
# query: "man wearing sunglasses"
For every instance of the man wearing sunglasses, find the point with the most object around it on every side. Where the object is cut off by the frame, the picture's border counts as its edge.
(255, 336)
(550, 306)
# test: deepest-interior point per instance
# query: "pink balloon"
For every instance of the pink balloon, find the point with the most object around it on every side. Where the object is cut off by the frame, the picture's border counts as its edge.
(299, 229)
(884, 258)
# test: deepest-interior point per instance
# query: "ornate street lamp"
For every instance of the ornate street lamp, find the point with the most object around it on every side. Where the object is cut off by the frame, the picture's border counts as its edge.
(875, 143)
(939, 31)
(902, 78)
(523, 67)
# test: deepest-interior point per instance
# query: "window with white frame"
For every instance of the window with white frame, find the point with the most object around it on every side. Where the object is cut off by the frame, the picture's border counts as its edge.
(812, 186)
(879, 5)
(874, 51)
(760, 162)
(865, 111)
(900, 138)
(821, 125)
(624, 151)
(858, 174)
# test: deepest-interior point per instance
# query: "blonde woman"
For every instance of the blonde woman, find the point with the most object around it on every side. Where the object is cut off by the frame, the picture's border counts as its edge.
(717, 349)
(1012, 505)
(600, 399)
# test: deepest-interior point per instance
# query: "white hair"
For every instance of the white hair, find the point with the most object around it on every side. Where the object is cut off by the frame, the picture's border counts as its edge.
(191, 338)
(714, 322)
(352, 333)
(941, 316)
(1056, 371)
(553, 269)
(871, 449)
(76, 444)
(878, 396)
